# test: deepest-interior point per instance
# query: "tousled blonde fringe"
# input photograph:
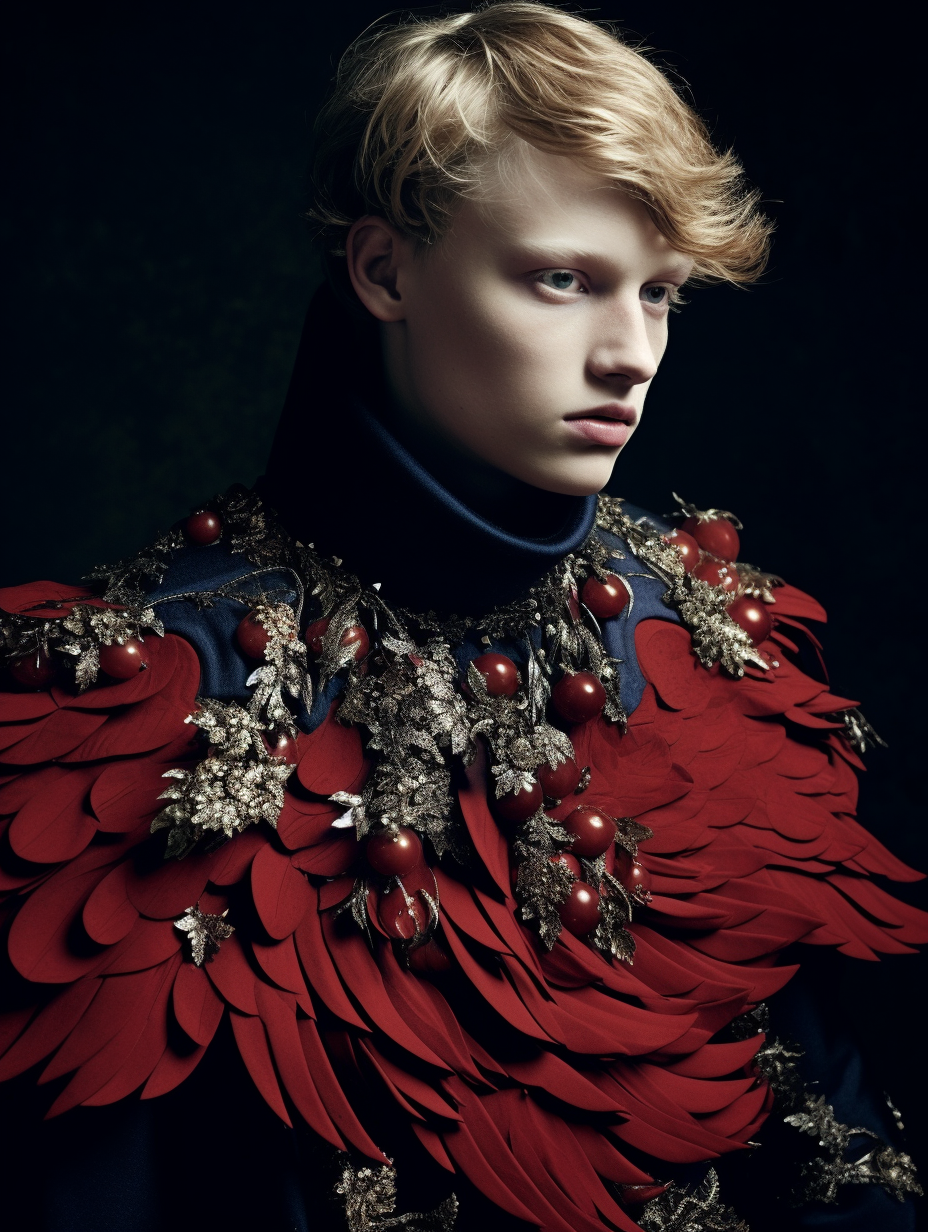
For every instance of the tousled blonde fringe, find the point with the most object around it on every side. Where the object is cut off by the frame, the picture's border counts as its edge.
(419, 107)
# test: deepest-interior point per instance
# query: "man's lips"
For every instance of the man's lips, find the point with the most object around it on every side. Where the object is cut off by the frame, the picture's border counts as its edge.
(608, 425)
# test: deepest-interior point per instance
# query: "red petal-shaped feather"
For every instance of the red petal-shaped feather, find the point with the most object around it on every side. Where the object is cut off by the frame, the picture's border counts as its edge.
(125, 794)
(304, 823)
(54, 737)
(55, 825)
(278, 1014)
(21, 707)
(163, 655)
(146, 1054)
(336, 1103)
(108, 914)
(251, 1038)
(171, 1071)
(281, 892)
(665, 656)
(118, 1002)
(49, 1029)
(165, 891)
(279, 962)
(45, 599)
(331, 758)
(148, 944)
(196, 1006)
(39, 945)
(321, 972)
(232, 977)
(147, 726)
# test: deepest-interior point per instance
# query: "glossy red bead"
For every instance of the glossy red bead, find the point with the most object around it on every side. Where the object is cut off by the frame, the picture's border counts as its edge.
(399, 918)
(519, 805)
(569, 861)
(717, 535)
(500, 673)
(33, 671)
(716, 574)
(354, 635)
(428, 958)
(638, 881)
(125, 661)
(687, 548)
(559, 781)
(580, 914)
(284, 747)
(752, 615)
(315, 633)
(593, 831)
(204, 527)
(394, 853)
(252, 637)
(604, 599)
(578, 696)
(620, 862)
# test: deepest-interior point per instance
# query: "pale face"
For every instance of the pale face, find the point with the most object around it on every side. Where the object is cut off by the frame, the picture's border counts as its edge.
(528, 336)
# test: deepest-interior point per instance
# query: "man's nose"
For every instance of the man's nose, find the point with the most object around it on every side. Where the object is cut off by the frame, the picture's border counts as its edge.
(623, 349)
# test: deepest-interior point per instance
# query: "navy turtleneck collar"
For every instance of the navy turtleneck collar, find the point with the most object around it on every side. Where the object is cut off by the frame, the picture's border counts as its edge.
(341, 480)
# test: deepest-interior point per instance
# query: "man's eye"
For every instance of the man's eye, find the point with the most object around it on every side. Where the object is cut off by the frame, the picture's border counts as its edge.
(559, 280)
(655, 295)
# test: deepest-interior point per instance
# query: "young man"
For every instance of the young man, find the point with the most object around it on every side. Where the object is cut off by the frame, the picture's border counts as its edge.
(478, 816)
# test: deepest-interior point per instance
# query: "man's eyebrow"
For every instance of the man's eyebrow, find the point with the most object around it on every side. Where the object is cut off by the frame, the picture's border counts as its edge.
(551, 254)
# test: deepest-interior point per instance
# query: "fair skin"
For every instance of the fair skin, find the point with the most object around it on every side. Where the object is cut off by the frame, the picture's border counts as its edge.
(525, 340)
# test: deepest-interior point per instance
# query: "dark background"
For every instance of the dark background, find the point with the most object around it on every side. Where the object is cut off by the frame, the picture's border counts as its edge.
(158, 269)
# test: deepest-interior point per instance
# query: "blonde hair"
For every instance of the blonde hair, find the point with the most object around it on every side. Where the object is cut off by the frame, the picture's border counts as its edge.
(419, 108)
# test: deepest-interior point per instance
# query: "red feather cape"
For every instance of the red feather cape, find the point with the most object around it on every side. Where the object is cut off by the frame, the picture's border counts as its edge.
(750, 791)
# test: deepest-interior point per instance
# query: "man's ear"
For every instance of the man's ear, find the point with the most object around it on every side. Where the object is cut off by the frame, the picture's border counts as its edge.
(375, 251)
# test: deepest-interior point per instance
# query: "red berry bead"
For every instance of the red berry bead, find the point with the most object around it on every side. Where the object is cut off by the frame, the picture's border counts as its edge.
(580, 914)
(399, 918)
(354, 635)
(724, 576)
(315, 633)
(559, 781)
(638, 882)
(604, 599)
(687, 548)
(500, 673)
(252, 637)
(593, 831)
(569, 861)
(578, 696)
(394, 853)
(204, 527)
(753, 617)
(632, 874)
(516, 806)
(284, 748)
(33, 671)
(122, 662)
(717, 535)
(428, 958)
(621, 862)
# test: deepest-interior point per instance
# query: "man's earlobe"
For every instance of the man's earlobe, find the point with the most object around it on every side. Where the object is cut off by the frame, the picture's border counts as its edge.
(375, 251)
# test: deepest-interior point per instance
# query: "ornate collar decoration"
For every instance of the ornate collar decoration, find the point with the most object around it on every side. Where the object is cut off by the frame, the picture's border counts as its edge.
(425, 720)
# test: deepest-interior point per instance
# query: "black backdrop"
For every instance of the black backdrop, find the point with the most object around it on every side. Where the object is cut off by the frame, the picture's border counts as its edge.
(158, 270)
